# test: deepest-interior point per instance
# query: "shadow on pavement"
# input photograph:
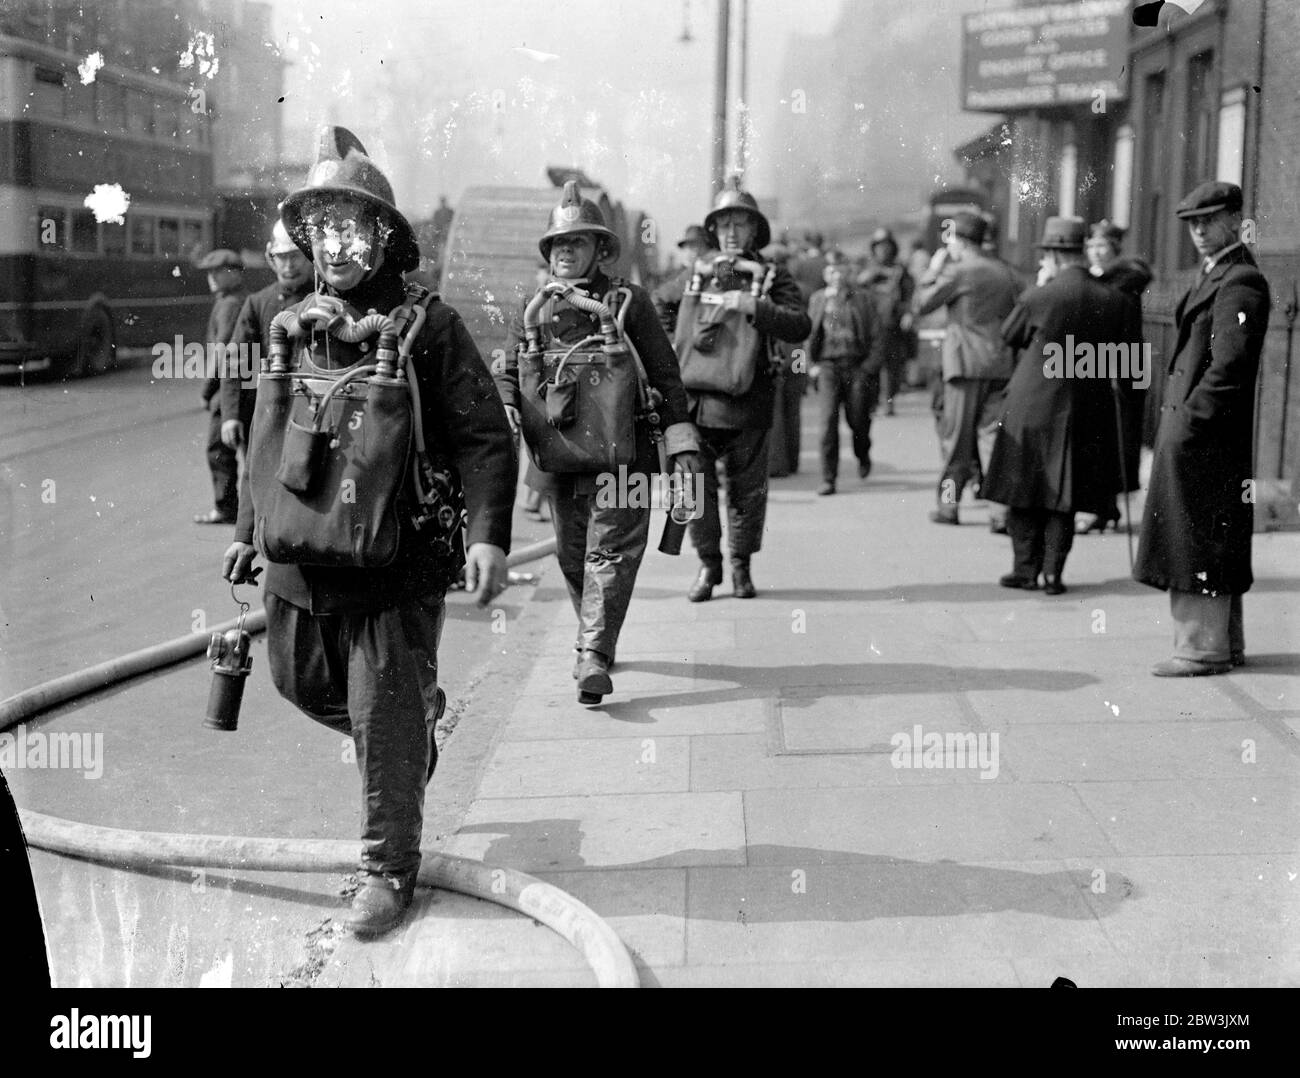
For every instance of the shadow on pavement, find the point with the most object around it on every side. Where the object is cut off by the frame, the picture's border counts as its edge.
(864, 887)
(810, 683)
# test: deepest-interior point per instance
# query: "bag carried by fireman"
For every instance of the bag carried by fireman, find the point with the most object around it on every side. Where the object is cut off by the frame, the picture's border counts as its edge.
(579, 403)
(337, 461)
(720, 350)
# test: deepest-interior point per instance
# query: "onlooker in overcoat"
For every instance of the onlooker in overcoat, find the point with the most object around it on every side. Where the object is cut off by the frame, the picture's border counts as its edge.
(1057, 448)
(1199, 517)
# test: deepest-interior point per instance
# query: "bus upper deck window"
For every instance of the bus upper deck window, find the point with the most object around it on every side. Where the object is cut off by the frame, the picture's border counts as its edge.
(141, 235)
(114, 240)
(169, 237)
(85, 232)
(56, 238)
(47, 98)
(191, 237)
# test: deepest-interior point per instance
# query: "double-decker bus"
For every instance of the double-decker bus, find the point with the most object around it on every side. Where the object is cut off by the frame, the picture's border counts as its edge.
(73, 289)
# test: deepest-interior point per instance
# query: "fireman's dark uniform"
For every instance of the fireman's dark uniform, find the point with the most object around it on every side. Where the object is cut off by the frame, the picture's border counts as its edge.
(736, 430)
(356, 649)
(254, 327)
(599, 549)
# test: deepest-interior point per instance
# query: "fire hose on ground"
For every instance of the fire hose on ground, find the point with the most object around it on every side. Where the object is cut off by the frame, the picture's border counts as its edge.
(562, 913)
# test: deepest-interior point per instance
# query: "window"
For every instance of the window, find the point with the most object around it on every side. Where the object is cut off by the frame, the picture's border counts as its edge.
(191, 237)
(47, 97)
(114, 240)
(169, 121)
(51, 228)
(1068, 174)
(80, 101)
(141, 233)
(1151, 208)
(139, 113)
(1232, 137)
(1198, 127)
(1122, 191)
(169, 237)
(85, 233)
(112, 106)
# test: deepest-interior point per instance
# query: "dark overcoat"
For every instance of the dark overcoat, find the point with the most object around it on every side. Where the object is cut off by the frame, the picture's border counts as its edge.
(1057, 445)
(1196, 530)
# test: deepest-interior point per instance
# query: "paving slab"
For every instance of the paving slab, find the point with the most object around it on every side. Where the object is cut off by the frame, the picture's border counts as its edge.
(581, 766)
(1197, 816)
(1027, 821)
(1249, 904)
(1111, 701)
(1107, 752)
(747, 762)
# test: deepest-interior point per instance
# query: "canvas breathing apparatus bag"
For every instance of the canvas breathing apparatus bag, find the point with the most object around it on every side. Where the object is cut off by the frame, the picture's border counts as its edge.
(337, 461)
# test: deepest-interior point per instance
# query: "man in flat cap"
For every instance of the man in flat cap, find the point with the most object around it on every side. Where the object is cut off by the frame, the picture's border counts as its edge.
(978, 292)
(226, 282)
(1197, 527)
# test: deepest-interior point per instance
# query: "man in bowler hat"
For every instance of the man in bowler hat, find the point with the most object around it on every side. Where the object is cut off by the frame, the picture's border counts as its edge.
(1057, 448)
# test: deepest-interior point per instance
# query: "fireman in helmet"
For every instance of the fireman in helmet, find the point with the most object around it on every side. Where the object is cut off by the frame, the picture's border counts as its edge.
(599, 545)
(356, 649)
(735, 430)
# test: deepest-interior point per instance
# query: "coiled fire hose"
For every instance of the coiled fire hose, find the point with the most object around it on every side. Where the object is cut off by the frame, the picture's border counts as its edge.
(599, 944)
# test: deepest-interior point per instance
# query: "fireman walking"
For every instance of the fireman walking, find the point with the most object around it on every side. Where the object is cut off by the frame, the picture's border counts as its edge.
(601, 529)
(732, 395)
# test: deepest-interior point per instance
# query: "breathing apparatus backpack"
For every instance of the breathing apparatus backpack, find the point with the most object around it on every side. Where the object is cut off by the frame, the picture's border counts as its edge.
(337, 463)
(719, 351)
(579, 404)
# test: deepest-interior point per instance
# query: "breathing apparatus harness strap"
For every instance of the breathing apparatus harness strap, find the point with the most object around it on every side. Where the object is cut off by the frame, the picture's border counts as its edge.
(409, 319)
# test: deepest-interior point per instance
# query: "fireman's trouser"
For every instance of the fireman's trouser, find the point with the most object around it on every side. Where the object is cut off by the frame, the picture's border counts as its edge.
(743, 454)
(372, 677)
(599, 549)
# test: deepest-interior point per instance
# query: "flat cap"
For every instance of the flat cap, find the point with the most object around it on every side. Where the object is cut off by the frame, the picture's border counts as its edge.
(219, 258)
(1210, 197)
